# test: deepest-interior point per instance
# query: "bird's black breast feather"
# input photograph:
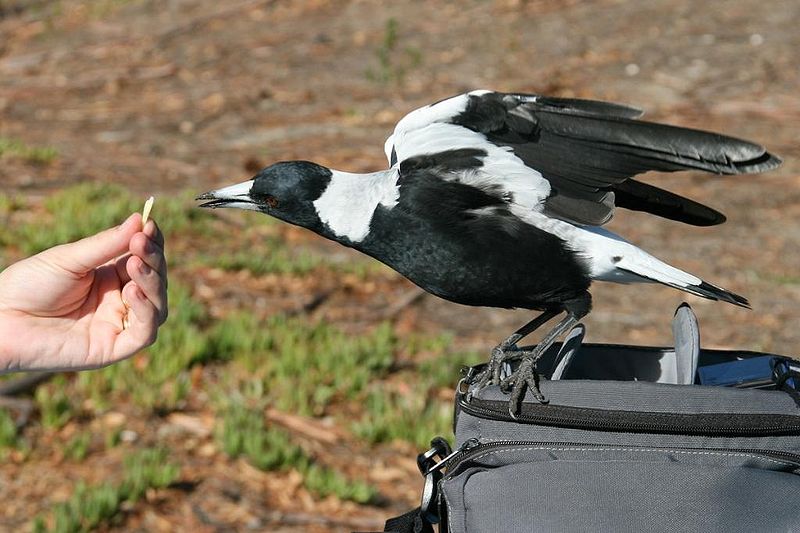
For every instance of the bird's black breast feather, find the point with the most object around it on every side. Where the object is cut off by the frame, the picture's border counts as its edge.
(464, 244)
(588, 149)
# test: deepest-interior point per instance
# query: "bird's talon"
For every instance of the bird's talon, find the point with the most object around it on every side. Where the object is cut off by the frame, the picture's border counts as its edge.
(506, 385)
(517, 395)
(517, 384)
(483, 379)
(538, 395)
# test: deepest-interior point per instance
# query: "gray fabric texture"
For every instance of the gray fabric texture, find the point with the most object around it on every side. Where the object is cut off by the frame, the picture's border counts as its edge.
(637, 396)
(558, 490)
(488, 431)
(658, 397)
(554, 479)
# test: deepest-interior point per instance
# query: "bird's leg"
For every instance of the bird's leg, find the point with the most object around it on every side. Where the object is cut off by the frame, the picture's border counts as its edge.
(507, 351)
(525, 376)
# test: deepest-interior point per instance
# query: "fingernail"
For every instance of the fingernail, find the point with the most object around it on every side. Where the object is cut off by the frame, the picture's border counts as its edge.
(144, 269)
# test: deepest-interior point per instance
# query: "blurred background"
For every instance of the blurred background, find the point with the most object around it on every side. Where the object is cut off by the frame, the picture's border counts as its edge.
(295, 380)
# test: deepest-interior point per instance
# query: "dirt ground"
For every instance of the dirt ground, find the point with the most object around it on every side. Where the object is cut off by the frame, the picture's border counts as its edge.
(189, 95)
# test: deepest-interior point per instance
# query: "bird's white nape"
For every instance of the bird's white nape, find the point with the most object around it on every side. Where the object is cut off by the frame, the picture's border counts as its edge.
(349, 202)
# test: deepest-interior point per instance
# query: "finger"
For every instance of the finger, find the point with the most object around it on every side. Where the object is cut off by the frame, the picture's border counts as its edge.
(142, 323)
(121, 267)
(152, 230)
(87, 254)
(150, 252)
(150, 283)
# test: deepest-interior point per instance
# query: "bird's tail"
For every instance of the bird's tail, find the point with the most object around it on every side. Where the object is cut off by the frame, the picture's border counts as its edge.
(617, 260)
(712, 292)
(686, 282)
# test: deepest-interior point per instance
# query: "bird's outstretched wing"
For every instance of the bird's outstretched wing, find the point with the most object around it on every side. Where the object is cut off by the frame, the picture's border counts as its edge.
(579, 154)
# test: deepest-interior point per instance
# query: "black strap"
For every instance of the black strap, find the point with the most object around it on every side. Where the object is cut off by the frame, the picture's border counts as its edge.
(430, 465)
(410, 522)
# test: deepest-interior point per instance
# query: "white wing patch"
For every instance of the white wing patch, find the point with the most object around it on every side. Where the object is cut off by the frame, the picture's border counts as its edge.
(419, 118)
(426, 115)
(349, 202)
(428, 130)
(501, 171)
(442, 111)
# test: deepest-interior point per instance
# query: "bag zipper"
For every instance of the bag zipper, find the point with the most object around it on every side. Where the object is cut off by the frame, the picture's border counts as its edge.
(474, 447)
(707, 424)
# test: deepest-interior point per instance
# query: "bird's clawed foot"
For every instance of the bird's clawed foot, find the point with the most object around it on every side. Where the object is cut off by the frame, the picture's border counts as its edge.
(502, 353)
(524, 378)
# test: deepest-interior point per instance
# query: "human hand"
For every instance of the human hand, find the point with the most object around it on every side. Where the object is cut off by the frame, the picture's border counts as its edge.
(63, 308)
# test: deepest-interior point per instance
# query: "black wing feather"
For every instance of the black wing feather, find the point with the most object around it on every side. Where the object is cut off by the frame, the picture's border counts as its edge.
(582, 106)
(658, 144)
(588, 151)
(638, 196)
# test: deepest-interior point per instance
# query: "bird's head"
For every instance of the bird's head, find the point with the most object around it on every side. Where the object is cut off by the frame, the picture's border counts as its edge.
(284, 190)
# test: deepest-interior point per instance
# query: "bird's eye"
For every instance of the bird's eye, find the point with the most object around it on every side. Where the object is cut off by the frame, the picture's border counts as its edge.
(271, 201)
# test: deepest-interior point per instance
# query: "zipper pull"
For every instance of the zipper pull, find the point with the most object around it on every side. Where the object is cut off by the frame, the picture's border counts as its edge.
(469, 444)
(465, 447)
(466, 381)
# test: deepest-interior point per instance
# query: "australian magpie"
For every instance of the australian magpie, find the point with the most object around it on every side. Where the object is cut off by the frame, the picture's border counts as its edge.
(497, 199)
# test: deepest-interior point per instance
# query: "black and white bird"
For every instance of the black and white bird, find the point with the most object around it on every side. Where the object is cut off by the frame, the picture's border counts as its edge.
(497, 199)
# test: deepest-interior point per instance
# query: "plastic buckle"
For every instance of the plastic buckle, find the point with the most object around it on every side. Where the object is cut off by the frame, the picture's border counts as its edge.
(786, 373)
(429, 464)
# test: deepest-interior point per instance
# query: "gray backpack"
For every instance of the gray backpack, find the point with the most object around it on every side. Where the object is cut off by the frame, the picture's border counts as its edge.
(628, 442)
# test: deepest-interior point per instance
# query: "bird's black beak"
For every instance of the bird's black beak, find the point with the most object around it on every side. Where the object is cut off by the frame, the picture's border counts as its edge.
(237, 196)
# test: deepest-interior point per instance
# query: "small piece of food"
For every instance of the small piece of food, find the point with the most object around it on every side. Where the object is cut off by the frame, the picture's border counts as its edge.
(148, 205)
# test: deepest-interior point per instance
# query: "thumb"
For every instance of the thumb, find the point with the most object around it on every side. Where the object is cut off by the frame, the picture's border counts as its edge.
(87, 254)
